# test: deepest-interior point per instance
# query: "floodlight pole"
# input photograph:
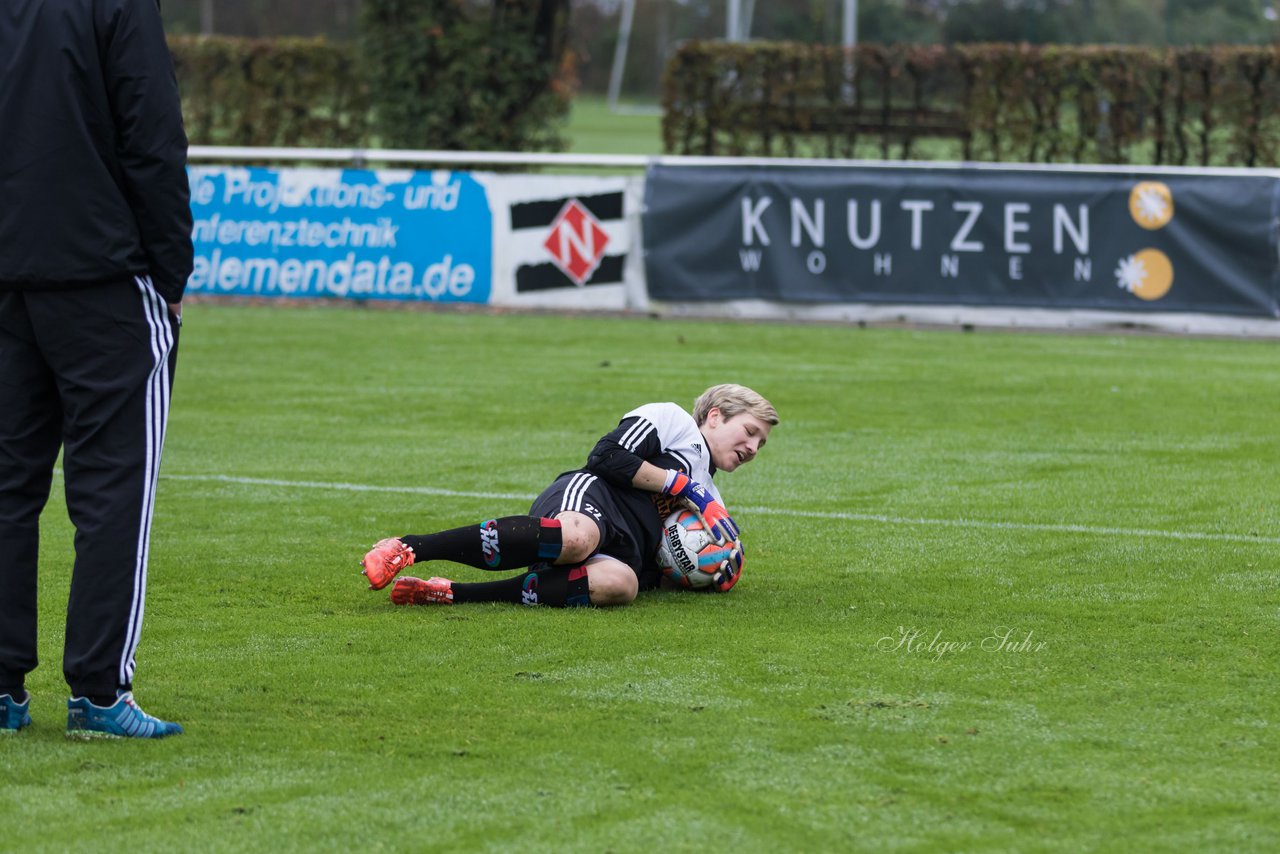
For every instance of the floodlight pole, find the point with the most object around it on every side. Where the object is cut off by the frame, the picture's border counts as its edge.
(850, 23)
(620, 53)
(850, 41)
(206, 17)
(737, 20)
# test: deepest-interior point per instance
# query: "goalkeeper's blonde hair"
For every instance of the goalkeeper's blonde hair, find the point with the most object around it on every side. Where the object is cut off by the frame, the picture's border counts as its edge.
(733, 400)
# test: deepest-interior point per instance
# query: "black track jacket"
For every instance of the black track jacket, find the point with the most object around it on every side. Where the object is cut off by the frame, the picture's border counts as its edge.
(93, 185)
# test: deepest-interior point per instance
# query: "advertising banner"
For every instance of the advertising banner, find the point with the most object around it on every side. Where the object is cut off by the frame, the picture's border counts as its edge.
(1161, 242)
(564, 241)
(359, 234)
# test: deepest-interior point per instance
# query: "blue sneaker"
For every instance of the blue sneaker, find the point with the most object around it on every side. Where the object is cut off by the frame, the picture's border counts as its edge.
(13, 715)
(123, 719)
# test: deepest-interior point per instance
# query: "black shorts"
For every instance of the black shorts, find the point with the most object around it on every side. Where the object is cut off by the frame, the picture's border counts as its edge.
(628, 519)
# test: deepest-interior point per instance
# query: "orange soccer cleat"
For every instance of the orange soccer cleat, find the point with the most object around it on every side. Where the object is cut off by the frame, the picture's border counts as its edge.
(415, 591)
(384, 560)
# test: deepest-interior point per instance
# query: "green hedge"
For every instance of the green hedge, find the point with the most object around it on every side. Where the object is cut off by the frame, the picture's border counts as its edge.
(478, 85)
(293, 92)
(1019, 103)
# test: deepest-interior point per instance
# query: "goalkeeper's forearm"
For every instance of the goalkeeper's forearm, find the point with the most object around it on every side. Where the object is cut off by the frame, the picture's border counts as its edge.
(649, 477)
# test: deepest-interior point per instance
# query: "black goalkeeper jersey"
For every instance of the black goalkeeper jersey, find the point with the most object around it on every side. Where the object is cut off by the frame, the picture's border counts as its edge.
(659, 433)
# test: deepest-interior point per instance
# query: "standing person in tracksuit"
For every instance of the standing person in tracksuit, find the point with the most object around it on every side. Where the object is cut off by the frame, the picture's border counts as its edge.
(95, 251)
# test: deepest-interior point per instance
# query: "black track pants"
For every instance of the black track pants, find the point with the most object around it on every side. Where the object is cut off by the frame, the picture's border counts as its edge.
(89, 370)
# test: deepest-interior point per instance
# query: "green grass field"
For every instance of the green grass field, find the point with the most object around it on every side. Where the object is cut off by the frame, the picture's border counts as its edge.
(593, 129)
(1003, 592)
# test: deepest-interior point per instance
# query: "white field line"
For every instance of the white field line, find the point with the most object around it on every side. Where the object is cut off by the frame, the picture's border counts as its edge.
(1091, 530)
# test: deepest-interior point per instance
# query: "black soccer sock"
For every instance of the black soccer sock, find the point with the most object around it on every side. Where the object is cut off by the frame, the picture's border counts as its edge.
(556, 586)
(498, 544)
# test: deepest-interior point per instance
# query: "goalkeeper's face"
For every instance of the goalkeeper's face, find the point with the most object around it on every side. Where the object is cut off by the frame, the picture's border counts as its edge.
(734, 441)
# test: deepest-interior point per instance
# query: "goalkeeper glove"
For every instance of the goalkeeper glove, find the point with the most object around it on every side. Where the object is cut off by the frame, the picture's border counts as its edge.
(712, 513)
(730, 569)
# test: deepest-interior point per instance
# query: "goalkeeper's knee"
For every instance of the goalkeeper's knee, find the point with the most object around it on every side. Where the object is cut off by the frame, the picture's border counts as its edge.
(611, 583)
(579, 536)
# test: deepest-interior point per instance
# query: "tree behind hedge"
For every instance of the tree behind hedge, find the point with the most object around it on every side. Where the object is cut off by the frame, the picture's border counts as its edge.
(466, 75)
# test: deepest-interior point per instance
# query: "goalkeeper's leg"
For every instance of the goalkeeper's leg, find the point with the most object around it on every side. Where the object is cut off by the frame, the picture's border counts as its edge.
(601, 581)
(509, 542)
(505, 543)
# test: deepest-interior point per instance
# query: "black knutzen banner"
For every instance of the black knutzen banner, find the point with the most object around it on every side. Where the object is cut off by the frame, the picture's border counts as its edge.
(1031, 238)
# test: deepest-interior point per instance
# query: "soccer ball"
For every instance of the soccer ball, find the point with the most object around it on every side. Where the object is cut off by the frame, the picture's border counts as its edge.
(688, 553)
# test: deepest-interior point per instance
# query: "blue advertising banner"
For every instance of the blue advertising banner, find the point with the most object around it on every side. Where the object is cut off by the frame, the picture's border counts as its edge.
(393, 234)
(1157, 242)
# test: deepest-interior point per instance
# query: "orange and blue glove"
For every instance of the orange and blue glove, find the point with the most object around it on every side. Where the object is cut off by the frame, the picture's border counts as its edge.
(730, 568)
(712, 513)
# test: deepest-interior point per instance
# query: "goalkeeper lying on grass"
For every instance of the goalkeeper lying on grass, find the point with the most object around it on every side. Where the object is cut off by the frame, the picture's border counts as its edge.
(591, 537)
